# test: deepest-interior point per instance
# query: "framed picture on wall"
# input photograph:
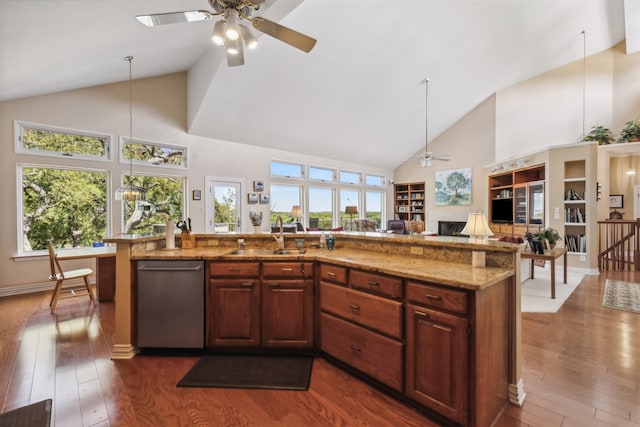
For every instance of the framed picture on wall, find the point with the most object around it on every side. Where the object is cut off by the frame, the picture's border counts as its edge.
(616, 201)
(197, 195)
(252, 198)
(264, 198)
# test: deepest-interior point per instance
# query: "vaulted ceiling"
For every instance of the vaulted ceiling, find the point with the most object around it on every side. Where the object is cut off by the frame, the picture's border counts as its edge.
(357, 95)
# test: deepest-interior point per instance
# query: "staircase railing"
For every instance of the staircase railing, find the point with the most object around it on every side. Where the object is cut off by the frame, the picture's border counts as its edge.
(619, 245)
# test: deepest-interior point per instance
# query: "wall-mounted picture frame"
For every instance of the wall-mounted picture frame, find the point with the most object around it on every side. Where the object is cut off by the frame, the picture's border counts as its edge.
(453, 187)
(264, 198)
(616, 201)
(196, 195)
(252, 198)
(258, 185)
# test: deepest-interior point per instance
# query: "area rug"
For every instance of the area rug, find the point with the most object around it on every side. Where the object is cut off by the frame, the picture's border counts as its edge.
(250, 371)
(620, 295)
(536, 293)
(34, 415)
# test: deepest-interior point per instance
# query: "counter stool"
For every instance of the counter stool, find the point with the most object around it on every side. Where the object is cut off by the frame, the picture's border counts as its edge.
(60, 276)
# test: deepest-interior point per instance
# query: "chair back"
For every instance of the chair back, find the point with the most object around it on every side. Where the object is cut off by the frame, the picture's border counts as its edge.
(396, 226)
(53, 263)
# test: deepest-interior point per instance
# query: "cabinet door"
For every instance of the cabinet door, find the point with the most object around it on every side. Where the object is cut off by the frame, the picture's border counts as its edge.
(520, 205)
(437, 361)
(536, 203)
(287, 313)
(233, 312)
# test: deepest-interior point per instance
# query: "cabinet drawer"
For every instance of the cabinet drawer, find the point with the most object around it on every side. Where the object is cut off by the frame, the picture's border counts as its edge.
(287, 270)
(375, 355)
(372, 311)
(333, 273)
(435, 296)
(391, 286)
(234, 269)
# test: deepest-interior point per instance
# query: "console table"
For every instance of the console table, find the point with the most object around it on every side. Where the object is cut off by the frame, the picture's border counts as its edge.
(551, 256)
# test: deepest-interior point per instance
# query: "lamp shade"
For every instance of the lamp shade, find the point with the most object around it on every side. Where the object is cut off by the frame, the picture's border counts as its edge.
(296, 212)
(477, 226)
(351, 210)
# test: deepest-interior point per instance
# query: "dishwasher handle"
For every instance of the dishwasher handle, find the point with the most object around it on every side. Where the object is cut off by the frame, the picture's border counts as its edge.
(151, 268)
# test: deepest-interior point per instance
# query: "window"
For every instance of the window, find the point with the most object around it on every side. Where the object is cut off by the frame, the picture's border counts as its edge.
(48, 141)
(164, 201)
(317, 173)
(321, 208)
(150, 153)
(280, 169)
(374, 205)
(283, 197)
(374, 180)
(349, 198)
(350, 177)
(65, 205)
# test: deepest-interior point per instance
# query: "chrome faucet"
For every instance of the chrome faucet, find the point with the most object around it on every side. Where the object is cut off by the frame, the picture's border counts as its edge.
(280, 237)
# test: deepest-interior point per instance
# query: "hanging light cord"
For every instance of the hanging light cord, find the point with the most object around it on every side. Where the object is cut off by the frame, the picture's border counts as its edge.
(426, 113)
(130, 59)
(584, 79)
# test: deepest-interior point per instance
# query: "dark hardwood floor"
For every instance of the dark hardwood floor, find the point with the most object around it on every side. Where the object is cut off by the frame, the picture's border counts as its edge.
(581, 368)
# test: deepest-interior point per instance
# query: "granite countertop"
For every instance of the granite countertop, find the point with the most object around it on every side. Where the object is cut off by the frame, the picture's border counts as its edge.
(442, 272)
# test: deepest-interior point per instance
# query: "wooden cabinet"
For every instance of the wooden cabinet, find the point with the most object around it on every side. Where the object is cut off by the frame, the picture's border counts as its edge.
(409, 205)
(437, 350)
(287, 304)
(362, 324)
(233, 304)
(516, 201)
(247, 308)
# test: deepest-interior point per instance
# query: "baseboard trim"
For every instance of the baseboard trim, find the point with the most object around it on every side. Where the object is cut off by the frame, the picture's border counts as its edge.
(41, 287)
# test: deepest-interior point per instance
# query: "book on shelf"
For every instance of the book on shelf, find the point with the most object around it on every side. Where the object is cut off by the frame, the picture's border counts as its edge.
(575, 243)
(576, 215)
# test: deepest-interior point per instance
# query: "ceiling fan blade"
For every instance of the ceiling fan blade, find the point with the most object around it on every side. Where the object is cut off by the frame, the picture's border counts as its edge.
(174, 17)
(444, 157)
(284, 34)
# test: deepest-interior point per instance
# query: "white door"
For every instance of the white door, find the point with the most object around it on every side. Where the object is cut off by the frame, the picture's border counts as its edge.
(223, 201)
(636, 201)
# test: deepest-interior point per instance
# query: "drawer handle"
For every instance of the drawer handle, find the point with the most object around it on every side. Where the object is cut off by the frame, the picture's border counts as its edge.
(249, 284)
(354, 307)
(274, 285)
(288, 270)
(421, 314)
(234, 270)
(434, 297)
(372, 283)
(331, 274)
(356, 348)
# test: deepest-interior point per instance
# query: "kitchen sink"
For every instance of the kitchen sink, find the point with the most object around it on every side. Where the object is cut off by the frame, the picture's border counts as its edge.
(260, 251)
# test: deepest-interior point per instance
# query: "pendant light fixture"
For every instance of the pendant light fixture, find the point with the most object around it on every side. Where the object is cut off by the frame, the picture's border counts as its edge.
(426, 161)
(130, 192)
(630, 170)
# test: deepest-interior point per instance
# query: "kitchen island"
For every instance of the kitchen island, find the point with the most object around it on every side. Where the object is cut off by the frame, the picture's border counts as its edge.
(401, 292)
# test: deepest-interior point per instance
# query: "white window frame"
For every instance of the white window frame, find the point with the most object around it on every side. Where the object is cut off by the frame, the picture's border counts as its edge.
(358, 174)
(303, 174)
(382, 180)
(20, 200)
(334, 174)
(126, 140)
(19, 126)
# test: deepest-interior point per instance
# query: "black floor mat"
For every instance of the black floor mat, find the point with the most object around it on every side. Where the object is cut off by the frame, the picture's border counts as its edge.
(34, 415)
(250, 371)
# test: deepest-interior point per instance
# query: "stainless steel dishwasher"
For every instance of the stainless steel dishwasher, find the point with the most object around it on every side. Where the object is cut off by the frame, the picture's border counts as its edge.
(170, 304)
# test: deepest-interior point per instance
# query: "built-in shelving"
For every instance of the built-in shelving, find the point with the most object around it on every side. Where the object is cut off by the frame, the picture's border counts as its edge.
(409, 204)
(575, 207)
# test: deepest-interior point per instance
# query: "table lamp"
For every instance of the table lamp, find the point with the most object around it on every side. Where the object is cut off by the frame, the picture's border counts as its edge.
(351, 211)
(296, 213)
(477, 228)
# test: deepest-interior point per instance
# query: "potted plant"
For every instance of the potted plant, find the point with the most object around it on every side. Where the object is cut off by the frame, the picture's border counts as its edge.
(256, 221)
(630, 132)
(549, 234)
(602, 134)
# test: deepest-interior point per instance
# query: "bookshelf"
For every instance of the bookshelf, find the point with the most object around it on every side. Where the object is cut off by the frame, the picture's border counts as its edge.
(575, 206)
(409, 205)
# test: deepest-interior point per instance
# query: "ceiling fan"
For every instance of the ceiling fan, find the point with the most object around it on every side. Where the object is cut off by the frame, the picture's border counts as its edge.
(428, 156)
(231, 31)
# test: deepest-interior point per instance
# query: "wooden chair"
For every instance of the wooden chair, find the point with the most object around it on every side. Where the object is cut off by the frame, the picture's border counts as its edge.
(60, 276)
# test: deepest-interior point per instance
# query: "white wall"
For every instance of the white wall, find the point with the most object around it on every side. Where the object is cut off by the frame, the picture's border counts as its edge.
(159, 114)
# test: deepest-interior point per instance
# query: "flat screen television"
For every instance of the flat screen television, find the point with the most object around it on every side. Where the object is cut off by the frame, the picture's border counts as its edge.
(502, 211)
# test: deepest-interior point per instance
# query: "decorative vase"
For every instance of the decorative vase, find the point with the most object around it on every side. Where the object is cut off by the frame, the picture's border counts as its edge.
(257, 229)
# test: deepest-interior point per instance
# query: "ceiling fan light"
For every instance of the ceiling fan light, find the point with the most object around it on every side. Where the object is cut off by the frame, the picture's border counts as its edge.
(233, 47)
(249, 39)
(218, 33)
(232, 31)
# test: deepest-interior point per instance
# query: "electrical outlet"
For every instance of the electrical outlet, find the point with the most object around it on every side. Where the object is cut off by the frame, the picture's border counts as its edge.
(151, 246)
(213, 242)
(583, 258)
(556, 213)
(417, 250)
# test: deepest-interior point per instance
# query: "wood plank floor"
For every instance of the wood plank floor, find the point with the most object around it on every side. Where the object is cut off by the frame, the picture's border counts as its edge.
(581, 368)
